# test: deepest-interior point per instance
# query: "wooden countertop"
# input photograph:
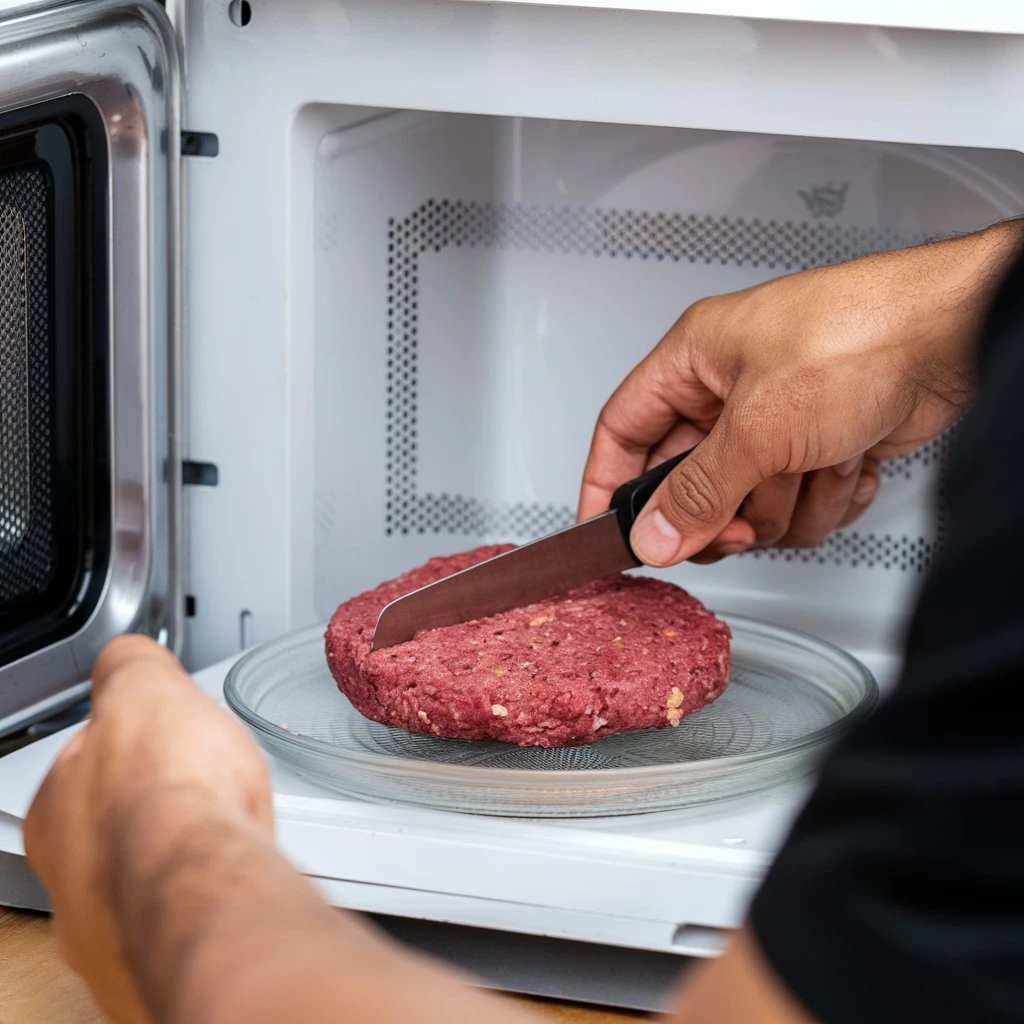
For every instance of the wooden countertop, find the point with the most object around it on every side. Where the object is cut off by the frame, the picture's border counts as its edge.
(37, 988)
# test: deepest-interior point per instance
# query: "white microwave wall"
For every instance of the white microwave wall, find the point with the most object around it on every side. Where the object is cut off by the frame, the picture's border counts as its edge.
(438, 234)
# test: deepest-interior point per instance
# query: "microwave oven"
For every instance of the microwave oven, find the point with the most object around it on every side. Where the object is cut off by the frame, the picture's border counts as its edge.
(295, 295)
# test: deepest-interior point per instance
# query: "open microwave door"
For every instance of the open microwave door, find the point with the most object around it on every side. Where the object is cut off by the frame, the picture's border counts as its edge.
(90, 469)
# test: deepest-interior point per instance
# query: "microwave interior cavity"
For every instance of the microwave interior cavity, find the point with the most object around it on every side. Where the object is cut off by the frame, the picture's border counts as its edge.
(483, 283)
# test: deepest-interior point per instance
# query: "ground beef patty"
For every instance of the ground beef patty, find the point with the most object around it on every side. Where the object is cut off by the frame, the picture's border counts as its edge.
(625, 652)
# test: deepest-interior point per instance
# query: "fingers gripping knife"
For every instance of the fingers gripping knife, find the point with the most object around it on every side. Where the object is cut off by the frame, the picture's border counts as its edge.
(570, 558)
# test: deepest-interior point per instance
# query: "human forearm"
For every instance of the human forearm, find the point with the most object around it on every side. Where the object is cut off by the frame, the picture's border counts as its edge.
(994, 250)
(218, 928)
(955, 292)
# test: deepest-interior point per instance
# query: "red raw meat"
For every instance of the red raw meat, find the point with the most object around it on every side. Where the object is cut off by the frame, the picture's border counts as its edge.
(627, 652)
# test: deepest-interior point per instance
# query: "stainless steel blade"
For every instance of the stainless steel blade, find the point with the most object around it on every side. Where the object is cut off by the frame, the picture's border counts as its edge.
(535, 571)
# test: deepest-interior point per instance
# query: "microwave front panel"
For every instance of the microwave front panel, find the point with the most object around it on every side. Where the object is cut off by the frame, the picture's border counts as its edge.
(252, 64)
(88, 345)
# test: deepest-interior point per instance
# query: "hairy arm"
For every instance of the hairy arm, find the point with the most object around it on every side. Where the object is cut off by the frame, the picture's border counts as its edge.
(219, 929)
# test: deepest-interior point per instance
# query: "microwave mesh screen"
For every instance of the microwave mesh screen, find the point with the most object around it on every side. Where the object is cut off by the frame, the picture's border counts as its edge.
(26, 508)
(439, 225)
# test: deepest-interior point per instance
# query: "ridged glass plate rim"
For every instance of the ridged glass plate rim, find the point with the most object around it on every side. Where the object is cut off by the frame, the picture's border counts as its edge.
(446, 773)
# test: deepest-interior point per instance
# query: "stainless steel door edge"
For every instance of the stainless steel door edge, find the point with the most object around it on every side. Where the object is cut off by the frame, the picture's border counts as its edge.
(123, 58)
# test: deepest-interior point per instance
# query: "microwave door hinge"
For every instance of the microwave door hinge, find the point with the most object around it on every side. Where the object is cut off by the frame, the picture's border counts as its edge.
(199, 474)
(199, 144)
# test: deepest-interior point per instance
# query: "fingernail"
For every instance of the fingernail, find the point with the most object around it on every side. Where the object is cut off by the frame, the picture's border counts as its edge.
(712, 555)
(847, 467)
(654, 539)
(733, 549)
(865, 489)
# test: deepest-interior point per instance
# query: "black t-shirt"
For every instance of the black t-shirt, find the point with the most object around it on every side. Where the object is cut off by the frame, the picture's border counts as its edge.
(899, 895)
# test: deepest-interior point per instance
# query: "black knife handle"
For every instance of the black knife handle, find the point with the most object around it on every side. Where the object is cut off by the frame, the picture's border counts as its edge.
(630, 498)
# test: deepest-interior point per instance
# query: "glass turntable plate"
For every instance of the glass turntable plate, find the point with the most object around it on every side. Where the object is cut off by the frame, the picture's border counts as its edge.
(789, 697)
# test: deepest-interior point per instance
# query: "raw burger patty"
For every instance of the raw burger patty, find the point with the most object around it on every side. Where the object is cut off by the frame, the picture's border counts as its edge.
(622, 653)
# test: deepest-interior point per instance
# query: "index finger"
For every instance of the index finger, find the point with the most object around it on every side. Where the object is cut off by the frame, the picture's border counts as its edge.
(643, 410)
(612, 460)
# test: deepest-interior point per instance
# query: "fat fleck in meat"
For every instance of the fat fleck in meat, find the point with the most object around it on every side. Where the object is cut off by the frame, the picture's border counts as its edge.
(623, 653)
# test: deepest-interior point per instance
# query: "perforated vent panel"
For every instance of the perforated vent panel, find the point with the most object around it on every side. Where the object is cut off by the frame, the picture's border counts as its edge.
(613, 234)
(26, 512)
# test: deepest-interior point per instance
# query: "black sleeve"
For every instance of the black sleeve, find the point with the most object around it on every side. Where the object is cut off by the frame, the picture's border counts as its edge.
(899, 895)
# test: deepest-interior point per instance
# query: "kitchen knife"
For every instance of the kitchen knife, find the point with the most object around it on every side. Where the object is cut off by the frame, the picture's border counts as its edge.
(562, 561)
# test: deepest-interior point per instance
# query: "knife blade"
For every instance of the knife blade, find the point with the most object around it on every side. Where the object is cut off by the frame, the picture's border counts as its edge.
(543, 568)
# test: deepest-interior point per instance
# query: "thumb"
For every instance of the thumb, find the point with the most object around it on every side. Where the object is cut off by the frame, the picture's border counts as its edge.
(696, 501)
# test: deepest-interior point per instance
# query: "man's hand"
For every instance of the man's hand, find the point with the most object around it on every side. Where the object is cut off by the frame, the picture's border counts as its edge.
(792, 391)
(157, 757)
